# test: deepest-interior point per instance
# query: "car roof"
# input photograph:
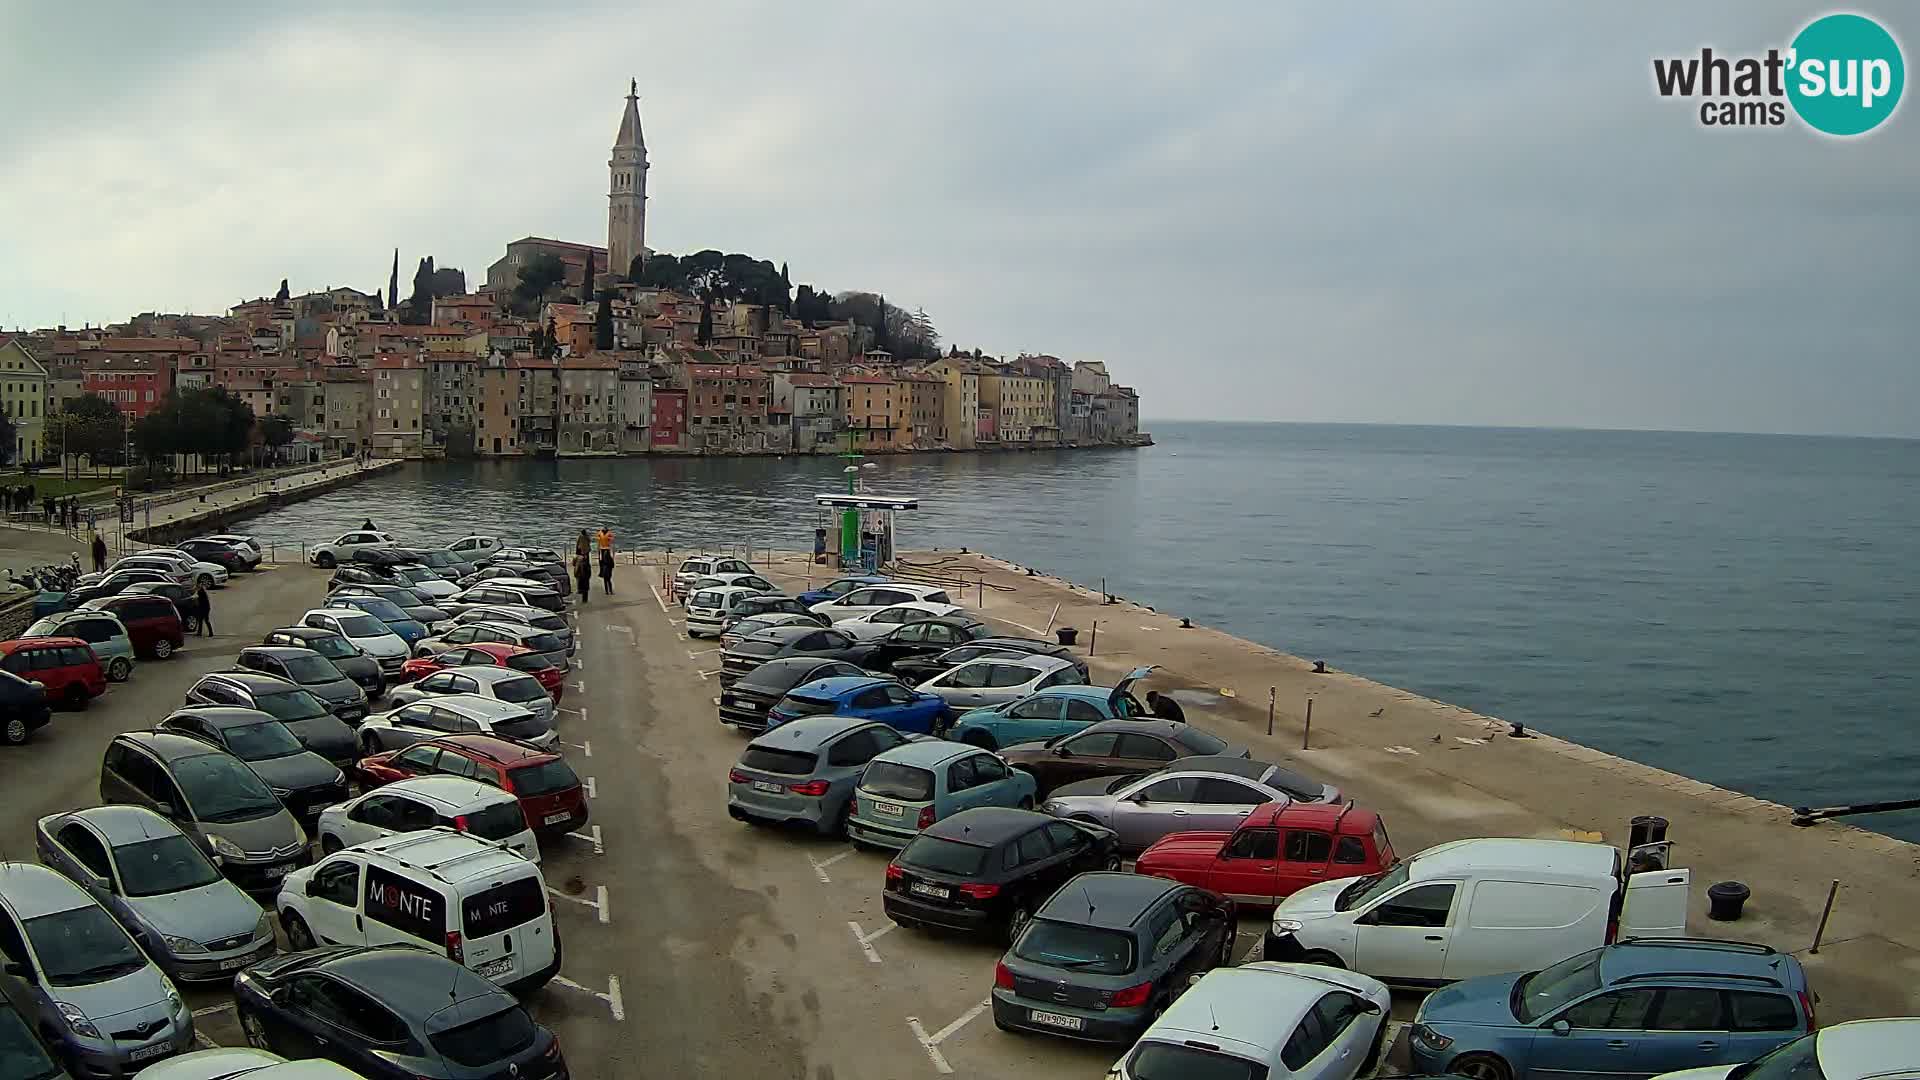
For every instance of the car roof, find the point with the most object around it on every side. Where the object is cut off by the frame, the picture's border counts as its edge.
(1106, 899)
(1697, 958)
(305, 633)
(1152, 725)
(283, 652)
(1038, 662)
(125, 823)
(1573, 858)
(809, 732)
(452, 791)
(1858, 1049)
(514, 628)
(730, 590)
(489, 673)
(336, 611)
(783, 634)
(1044, 647)
(837, 685)
(927, 752)
(1086, 693)
(1342, 819)
(39, 642)
(1256, 1006)
(475, 706)
(508, 752)
(32, 890)
(1246, 768)
(252, 680)
(168, 746)
(987, 825)
(452, 857)
(411, 981)
(223, 716)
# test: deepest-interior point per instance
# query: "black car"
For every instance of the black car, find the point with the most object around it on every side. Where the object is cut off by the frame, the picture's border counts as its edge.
(779, 642)
(214, 551)
(313, 673)
(362, 575)
(354, 664)
(22, 1055)
(989, 868)
(744, 704)
(113, 584)
(382, 557)
(918, 669)
(304, 714)
(925, 638)
(23, 708)
(1105, 954)
(392, 1012)
(445, 563)
(303, 781)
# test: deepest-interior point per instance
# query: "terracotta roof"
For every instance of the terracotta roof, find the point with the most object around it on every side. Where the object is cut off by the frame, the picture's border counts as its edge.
(590, 362)
(392, 363)
(808, 379)
(885, 380)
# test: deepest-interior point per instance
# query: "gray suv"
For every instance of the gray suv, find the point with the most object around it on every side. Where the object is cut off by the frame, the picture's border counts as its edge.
(304, 714)
(804, 772)
(313, 673)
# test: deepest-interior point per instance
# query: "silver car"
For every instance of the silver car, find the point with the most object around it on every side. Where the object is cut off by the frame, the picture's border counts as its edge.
(804, 772)
(452, 714)
(499, 683)
(154, 879)
(999, 680)
(1196, 794)
(546, 644)
(517, 614)
(75, 972)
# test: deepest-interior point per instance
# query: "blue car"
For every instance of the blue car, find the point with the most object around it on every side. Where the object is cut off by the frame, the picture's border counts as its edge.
(837, 588)
(1637, 1008)
(1046, 713)
(409, 629)
(865, 696)
(911, 786)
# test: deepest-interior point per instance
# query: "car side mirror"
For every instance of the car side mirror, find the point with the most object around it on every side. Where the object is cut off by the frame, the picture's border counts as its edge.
(1561, 1027)
(1061, 751)
(310, 891)
(166, 810)
(104, 884)
(1371, 1008)
(20, 971)
(1193, 979)
(1139, 797)
(281, 996)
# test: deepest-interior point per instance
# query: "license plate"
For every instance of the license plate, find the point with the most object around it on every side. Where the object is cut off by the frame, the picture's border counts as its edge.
(767, 786)
(1056, 1020)
(148, 1053)
(555, 819)
(494, 967)
(236, 963)
(938, 892)
(279, 871)
(891, 809)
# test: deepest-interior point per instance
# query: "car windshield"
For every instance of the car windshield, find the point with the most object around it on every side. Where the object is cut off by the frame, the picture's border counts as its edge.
(802, 705)
(943, 856)
(487, 1041)
(310, 669)
(290, 705)
(892, 780)
(384, 610)
(519, 691)
(548, 622)
(361, 626)
(1797, 1060)
(1295, 785)
(43, 628)
(528, 662)
(544, 779)
(1076, 947)
(21, 1056)
(1363, 890)
(1544, 992)
(1201, 742)
(332, 646)
(497, 822)
(1172, 1061)
(83, 946)
(223, 790)
(262, 741)
(705, 599)
(757, 648)
(165, 864)
(543, 643)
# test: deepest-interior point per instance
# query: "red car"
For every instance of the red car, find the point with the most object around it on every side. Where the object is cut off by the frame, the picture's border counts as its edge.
(66, 666)
(1278, 850)
(153, 623)
(549, 792)
(490, 654)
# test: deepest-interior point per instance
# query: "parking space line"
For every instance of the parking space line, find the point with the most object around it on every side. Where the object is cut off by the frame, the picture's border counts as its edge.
(866, 940)
(580, 662)
(1021, 625)
(618, 628)
(710, 674)
(931, 1043)
(599, 903)
(716, 702)
(201, 1038)
(580, 685)
(213, 1010)
(678, 636)
(592, 836)
(611, 997)
(657, 598)
(820, 865)
(592, 791)
(691, 655)
(585, 748)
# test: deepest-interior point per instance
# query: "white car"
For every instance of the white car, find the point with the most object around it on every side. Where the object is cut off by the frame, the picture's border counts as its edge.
(867, 600)
(329, 555)
(699, 566)
(237, 1062)
(193, 563)
(755, 582)
(885, 620)
(548, 644)
(453, 714)
(368, 634)
(1886, 1048)
(178, 571)
(244, 546)
(1299, 1021)
(471, 549)
(426, 802)
(996, 680)
(499, 683)
(425, 582)
(708, 609)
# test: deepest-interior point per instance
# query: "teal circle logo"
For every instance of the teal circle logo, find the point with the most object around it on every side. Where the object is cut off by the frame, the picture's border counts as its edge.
(1846, 74)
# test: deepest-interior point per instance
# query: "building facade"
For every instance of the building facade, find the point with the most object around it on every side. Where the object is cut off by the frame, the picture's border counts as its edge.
(23, 394)
(589, 417)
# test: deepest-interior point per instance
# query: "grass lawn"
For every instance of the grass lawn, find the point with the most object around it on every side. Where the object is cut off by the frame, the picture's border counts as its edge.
(51, 483)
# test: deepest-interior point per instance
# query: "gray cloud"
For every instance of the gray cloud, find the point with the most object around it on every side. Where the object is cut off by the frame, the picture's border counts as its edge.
(1411, 214)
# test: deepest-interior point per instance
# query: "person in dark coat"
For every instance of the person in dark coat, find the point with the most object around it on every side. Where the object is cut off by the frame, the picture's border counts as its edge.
(1164, 707)
(99, 553)
(203, 607)
(606, 569)
(583, 545)
(583, 574)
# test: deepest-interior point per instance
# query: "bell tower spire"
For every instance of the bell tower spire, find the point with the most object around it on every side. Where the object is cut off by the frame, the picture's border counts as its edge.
(627, 189)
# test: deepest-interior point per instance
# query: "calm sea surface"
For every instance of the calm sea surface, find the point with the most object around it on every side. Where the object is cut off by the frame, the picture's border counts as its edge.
(1744, 609)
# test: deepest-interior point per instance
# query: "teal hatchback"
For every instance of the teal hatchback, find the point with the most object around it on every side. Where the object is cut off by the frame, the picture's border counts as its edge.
(908, 788)
(1049, 712)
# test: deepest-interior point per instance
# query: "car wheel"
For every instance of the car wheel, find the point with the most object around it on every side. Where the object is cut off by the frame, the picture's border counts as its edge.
(1017, 922)
(1226, 954)
(330, 844)
(1026, 802)
(1373, 1051)
(1113, 863)
(162, 648)
(299, 938)
(76, 696)
(255, 1031)
(119, 668)
(1481, 1067)
(15, 732)
(980, 739)
(369, 746)
(1323, 958)
(325, 560)
(190, 623)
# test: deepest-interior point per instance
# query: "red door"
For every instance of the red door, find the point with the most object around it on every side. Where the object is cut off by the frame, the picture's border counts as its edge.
(1245, 868)
(1303, 859)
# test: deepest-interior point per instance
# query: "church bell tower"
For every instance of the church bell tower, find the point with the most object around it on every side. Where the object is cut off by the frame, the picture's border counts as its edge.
(627, 189)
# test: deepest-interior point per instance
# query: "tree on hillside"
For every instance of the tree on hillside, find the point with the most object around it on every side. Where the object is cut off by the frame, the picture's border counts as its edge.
(537, 279)
(637, 268)
(6, 439)
(705, 334)
(276, 432)
(586, 281)
(550, 341)
(603, 323)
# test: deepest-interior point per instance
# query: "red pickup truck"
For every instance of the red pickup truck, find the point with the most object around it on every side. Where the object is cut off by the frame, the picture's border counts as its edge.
(1279, 849)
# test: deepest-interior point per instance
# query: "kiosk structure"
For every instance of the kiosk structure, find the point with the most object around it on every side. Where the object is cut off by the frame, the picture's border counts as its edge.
(858, 527)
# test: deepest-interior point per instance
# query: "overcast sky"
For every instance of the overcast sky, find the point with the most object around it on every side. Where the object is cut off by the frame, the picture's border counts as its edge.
(1460, 214)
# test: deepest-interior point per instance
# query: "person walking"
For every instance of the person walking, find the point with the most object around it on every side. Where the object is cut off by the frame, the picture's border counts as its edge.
(99, 553)
(203, 607)
(583, 571)
(606, 568)
(46, 505)
(582, 546)
(605, 539)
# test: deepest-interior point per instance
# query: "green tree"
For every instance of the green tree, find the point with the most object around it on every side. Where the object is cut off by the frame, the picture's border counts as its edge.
(586, 281)
(537, 278)
(704, 337)
(603, 323)
(92, 406)
(7, 438)
(276, 432)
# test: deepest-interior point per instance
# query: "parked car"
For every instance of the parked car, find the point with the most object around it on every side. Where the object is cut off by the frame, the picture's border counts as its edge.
(413, 720)
(880, 623)
(227, 556)
(747, 626)
(161, 887)
(106, 636)
(839, 587)
(699, 566)
(1116, 748)
(524, 575)
(153, 622)
(1478, 907)
(491, 654)
(804, 772)
(1884, 1048)
(760, 585)
(871, 598)
(786, 641)
(429, 802)
(77, 969)
(399, 622)
(1107, 953)
(1048, 712)
(514, 615)
(448, 565)
(408, 602)
(1000, 680)
(310, 671)
(213, 797)
(1267, 1019)
(425, 581)
(1278, 850)
(543, 643)
(63, 666)
(304, 714)
(989, 869)
(183, 599)
(175, 569)
(237, 1062)
(381, 556)
(867, 697)
(23, 708)
(710, 611)
(21, 1049)
(329, 555)
(364, 670)
(1196, 793)
(910, 787)
(918, 669)
(436, 889)
(1675, 1003)
(198, 572)
(415, 1016)
(922, 637)
(473, 548)
(774, 603)
(489, 681)
(744, 703)
(303, 781)
(246, 546)
(366, 633)
(515, 592)
(549, 792)
(359, 574)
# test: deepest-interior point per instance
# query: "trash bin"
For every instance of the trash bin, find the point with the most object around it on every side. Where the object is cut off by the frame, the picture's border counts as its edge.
(1067, 635)
(1645, 829)
(1725, 899)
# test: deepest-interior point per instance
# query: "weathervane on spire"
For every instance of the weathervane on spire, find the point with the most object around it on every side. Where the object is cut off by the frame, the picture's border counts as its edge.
(633, 87)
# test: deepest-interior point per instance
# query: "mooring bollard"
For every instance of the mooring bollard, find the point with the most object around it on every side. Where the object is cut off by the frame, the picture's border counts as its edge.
(1272, 691)
(1306, 736)
(1094, 640)
(1821, 930)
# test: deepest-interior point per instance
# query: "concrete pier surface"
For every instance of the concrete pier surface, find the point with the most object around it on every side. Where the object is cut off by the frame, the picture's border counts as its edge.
(1440, 772)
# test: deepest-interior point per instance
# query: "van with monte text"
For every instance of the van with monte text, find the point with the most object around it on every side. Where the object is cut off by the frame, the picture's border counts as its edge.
(473, 899)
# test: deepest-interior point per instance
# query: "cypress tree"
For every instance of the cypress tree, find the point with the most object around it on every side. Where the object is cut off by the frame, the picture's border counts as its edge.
(586, 283)
(603, 322)
(393, 283)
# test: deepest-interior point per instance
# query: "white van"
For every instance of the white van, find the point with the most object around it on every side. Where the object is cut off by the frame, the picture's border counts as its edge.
(484, 906)
(1478, 907)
